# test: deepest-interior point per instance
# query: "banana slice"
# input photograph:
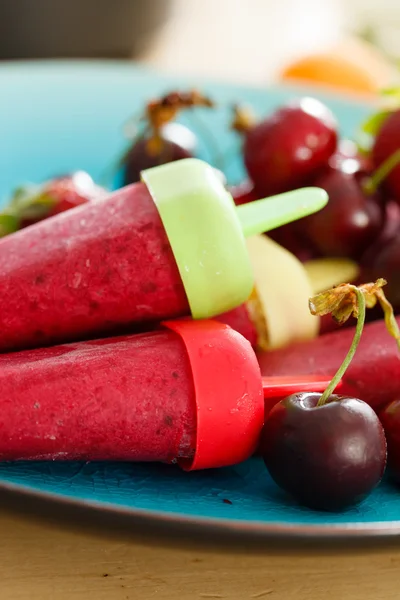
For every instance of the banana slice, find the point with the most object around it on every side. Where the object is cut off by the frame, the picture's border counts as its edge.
(279, 306)
(325, 273)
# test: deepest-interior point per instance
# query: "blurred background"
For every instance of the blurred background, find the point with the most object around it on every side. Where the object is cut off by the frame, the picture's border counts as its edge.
(250, 41)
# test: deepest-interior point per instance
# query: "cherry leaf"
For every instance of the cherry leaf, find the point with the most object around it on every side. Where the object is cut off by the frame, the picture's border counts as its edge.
(8, 224)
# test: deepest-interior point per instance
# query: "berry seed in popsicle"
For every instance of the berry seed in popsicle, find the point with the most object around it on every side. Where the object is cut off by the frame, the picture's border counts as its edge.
(171, 246)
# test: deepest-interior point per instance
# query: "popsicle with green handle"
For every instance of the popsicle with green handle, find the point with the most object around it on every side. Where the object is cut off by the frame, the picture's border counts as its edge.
(172, 245)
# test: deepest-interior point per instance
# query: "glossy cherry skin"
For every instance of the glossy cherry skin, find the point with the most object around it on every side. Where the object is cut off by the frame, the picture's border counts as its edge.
(386, 143)
(177, 142)
(285, 150)
(292, 238)
(348, 159)
(326, 457)
(67, 191)
(386, 263)
(390, 419)
(73, 190)
(390, 230)
(349, 223)
(244, 192)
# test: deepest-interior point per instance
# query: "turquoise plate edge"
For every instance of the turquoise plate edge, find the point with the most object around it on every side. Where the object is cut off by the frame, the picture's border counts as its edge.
(91, 100)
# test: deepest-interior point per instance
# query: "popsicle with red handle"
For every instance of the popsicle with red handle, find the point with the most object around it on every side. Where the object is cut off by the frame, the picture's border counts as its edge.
(171, 246)
(189, 393)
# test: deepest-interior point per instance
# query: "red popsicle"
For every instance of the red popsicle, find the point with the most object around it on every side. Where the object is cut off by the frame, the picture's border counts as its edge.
(67, 276)
(144, 253)
(191, 393)
(373, 375)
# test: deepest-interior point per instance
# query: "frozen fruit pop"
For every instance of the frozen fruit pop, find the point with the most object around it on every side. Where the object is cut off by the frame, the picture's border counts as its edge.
(373, 375)
(171, 246)
(190, 392)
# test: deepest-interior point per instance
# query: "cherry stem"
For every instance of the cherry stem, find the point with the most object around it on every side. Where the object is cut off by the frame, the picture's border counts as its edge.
(382, 172)
(356, 339)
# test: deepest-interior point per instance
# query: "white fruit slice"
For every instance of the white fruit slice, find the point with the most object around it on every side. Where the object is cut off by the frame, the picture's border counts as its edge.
(325, 273)
(279, 307)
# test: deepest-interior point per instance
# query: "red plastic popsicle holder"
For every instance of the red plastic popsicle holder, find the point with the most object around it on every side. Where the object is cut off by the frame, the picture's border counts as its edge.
(223, 364)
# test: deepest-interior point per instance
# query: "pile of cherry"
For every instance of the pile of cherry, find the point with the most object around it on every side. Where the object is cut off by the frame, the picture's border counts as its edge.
(298, 145)
(325, 450)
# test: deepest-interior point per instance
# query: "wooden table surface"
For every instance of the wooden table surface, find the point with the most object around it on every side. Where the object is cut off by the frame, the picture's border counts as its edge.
(49, 554)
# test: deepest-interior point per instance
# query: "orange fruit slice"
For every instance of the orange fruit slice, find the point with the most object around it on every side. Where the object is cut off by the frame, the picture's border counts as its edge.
(354, 66)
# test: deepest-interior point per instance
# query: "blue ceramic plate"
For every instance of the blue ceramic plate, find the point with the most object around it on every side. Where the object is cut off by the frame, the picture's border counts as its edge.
(57, 117)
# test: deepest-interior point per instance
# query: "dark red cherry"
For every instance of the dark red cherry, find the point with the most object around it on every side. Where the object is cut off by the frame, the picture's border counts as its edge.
(291, 237)
(32, 203)
(390, 419)
(386, 143)
(244, 192)
(176, 142)
(72, 190)
(390, 229)
(327, 457)
(386, 262)
(349, 223)
(348, 159)
(285, 150)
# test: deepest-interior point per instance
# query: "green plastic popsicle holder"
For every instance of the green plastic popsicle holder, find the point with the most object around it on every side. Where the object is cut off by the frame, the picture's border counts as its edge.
(207, 231)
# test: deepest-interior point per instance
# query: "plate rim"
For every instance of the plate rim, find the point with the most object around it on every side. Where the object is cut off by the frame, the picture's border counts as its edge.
(257, 529)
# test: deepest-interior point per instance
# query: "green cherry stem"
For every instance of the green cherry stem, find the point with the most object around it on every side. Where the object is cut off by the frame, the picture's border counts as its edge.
(356, 339)
(372, 184)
